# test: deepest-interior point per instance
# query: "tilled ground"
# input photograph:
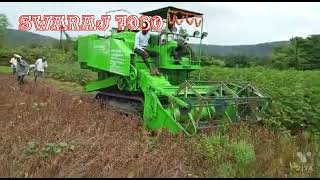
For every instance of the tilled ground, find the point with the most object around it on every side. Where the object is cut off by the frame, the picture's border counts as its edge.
(106, 143)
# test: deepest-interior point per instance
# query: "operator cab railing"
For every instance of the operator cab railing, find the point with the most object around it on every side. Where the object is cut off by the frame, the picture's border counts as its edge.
(192, 60)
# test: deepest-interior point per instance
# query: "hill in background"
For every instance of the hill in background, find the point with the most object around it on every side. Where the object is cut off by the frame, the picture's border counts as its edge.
(17, 38)
(259, 50)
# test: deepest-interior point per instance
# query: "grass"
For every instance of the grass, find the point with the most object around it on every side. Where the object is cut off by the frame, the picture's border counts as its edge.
(254, 151)
(62, 85)
(65, 86)
(5, 70)
(70, 72)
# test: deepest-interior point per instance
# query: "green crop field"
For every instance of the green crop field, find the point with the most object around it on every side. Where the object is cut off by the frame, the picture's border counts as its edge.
(295, 94)
(295, 109)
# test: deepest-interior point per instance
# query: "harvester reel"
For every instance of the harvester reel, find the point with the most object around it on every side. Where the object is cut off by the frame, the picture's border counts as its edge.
(182, 116)
(223, 101)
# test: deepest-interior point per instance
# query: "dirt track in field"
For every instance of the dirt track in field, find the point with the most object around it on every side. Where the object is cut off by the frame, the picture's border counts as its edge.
(107, 143)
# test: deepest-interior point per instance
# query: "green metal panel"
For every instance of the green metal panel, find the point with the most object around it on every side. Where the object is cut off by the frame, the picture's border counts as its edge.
(119, 62)
(128, 37)
(101, 84)
(98, 54)
(93, 52)
(105, 54)
(83, 49)
(156, 117)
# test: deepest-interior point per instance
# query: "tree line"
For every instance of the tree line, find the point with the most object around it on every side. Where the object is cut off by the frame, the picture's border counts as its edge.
(300, 53)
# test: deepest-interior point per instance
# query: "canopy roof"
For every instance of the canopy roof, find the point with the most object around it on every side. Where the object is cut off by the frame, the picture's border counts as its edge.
(179, 12)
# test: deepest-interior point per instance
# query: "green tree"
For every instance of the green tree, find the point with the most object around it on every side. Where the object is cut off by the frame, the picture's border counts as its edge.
(240, 61)
(4, 23)
(283, 56)
(299, 53)
(312, 52)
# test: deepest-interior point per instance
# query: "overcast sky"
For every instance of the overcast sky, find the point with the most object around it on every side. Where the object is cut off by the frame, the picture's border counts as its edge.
(228, 23)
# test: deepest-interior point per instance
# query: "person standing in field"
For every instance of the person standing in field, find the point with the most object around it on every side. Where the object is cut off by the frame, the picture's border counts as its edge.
(40, 65)
(13, 63)
(22, 69)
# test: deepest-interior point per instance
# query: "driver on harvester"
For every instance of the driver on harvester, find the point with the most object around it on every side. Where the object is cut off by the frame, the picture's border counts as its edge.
(183, 49)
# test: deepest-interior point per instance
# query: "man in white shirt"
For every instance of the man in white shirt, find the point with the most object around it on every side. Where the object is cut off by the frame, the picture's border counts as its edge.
(140, 47)
(13, 63)
(40, 66)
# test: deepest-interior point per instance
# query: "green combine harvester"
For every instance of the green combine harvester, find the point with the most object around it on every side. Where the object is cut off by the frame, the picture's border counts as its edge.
(172, 100)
